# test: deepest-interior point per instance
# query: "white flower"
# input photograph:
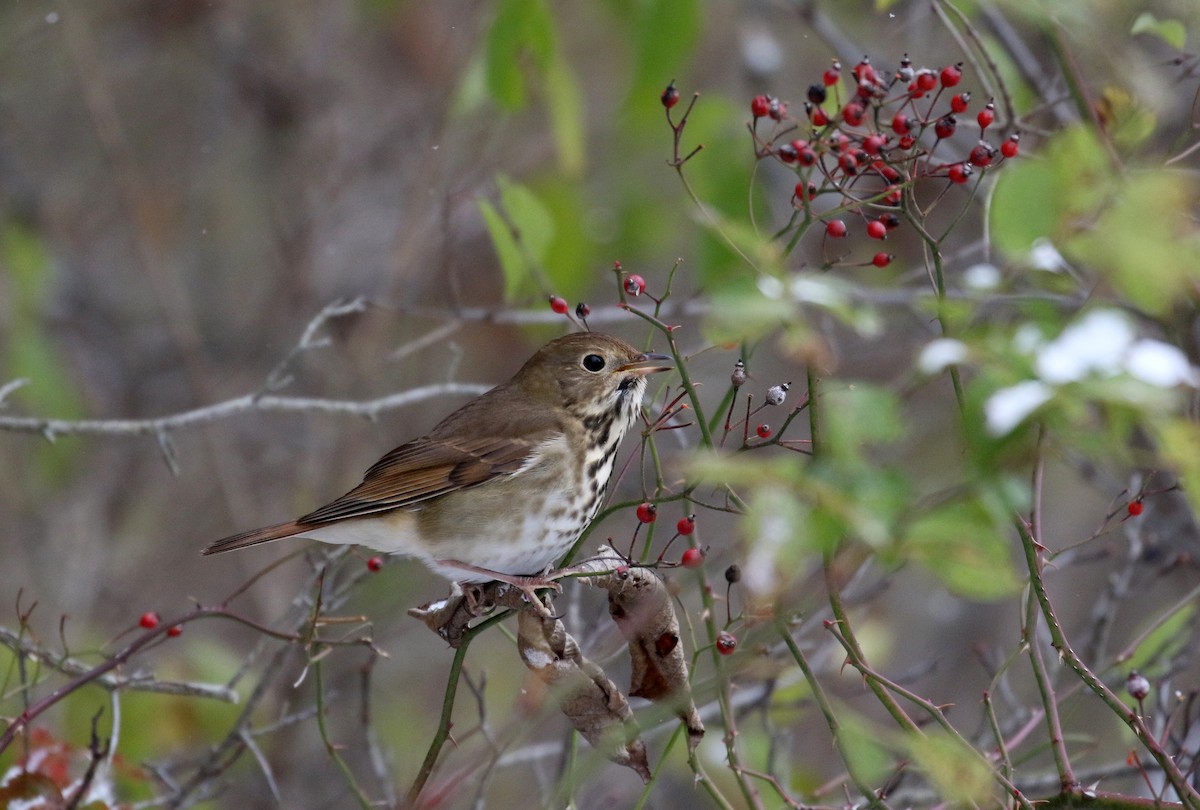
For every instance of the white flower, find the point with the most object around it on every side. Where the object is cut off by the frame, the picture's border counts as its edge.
(939, 354)
(1160, 364)
(981, 277)
(1095, 344)
(1007, 407)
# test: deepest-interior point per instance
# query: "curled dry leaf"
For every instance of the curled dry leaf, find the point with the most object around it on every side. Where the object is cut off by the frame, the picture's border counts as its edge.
(586, 696)
(450, 617)
(640, 604)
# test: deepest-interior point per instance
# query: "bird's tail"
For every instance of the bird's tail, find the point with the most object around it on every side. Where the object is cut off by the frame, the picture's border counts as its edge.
(256, 536)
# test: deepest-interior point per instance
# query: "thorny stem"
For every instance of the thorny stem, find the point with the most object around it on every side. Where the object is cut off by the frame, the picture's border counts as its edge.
(330, 747)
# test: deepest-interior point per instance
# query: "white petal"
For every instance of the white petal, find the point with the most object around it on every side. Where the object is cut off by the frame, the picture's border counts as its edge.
(1095, 344)
(1161, 364)
(939, 354)
(770, 286)
(1045, 256)
(1008, 407)
(981, 277)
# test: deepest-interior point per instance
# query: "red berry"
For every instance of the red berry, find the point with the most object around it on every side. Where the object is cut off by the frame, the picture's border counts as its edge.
(835, 228)
(959, 173)
(806, 157)
(1010, 147)
(852, 114)
(149, 620)
(692, 558)
(760, 106)
(876, 229)
(647, 512)
(1137, 685)
(873, 144)
(819, 118)
(951, 75)
(175, 631)
(777, 109)
(832, 74)
(1136, 507)
(864, 73)
(907, 141)
(787, 153)
(763, 431)
(890, 221)
(945, 126)
(635, 285)
(670, 96)
(982, 154)
(882, 259)
(375, 564)
(849, 163)
(986, 116)
(559, 305)
(889, 173)
(900, 124)
(686, 525)
(960, 102)
(925, 81)
(726, 643)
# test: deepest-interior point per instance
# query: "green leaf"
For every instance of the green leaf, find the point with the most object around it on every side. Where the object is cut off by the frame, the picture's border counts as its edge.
(959, 773)
(1169, 31)
(962, 544)
(564, 99)
(1163, 642)
(512, 264)
(666, 32)
(866, 756)
(522, 29)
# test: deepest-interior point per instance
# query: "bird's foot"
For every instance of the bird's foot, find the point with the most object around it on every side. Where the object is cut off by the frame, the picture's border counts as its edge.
(527, 586)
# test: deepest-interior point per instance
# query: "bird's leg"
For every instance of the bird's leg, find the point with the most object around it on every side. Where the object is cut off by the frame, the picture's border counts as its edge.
(527, 585)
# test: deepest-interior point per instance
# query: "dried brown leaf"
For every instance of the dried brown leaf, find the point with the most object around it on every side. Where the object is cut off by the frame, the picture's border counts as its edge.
(640, 604)
(592, 702)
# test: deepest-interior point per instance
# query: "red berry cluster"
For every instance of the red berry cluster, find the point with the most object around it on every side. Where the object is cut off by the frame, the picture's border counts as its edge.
(863, 152)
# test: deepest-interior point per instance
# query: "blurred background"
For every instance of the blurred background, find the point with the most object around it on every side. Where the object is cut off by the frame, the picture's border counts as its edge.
(185, 184)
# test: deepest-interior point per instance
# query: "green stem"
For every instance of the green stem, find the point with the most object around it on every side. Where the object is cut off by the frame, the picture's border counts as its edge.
(332, 749)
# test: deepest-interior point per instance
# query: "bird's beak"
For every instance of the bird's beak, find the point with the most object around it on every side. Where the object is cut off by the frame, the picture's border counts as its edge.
(648, 363)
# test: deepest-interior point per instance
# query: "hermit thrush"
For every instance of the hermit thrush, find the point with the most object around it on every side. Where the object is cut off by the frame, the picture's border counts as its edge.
(503, 486)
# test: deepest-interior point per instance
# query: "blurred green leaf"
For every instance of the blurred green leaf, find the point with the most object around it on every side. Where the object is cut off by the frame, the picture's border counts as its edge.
(512, 264)
(665, 33)
(963, 544)
(564, 98)
(960, 774)
(1157, 648)
(1127, 121)
(1169, 31)
(522, 30)
(866, 755)
(522, 230)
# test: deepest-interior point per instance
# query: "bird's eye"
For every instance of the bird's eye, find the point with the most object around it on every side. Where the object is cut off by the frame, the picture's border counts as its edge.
(593, 363)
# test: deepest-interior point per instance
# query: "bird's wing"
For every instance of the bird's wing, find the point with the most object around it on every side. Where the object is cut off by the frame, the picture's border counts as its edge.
(428, 467)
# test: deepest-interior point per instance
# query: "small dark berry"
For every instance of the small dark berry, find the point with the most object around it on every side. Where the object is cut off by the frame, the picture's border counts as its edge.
(982, 155)
(582, 310)
(686, 525)
(890, 221)
(726, 643)
(882, 259)
(876, 229)
(763, 431)
(733, 574)
(635, 285)
(835, 228)
(692, 558)
(670, 96)
(375, 564)
(149, 620)
(760, 106)
(647, 512)
(787, 153)
(1137, 686)
(817, 94)
(951, 75)
(558, 304)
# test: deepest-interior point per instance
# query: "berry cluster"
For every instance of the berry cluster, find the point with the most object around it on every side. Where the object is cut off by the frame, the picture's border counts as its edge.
(865, 153)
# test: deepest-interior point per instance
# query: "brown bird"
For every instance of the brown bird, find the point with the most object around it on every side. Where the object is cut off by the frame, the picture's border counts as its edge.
(504, 486)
